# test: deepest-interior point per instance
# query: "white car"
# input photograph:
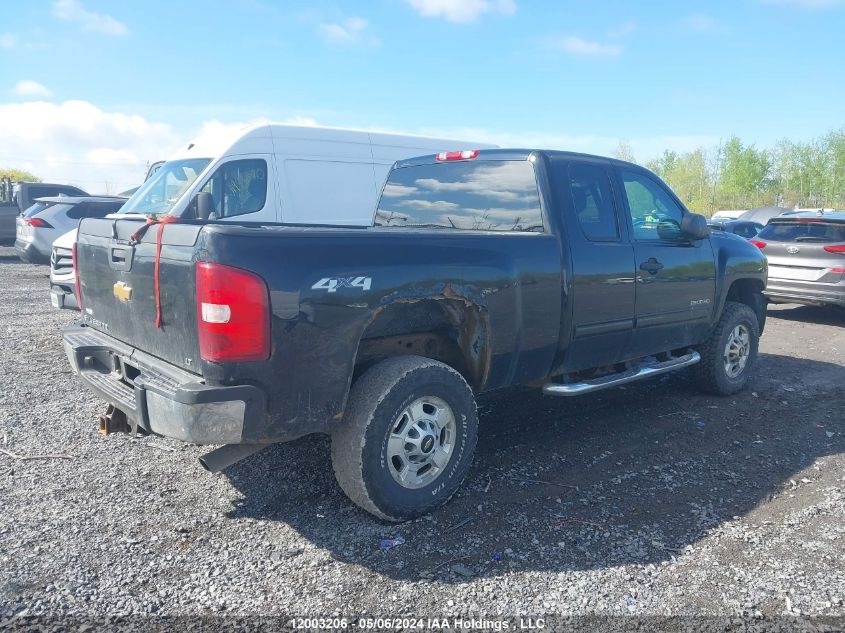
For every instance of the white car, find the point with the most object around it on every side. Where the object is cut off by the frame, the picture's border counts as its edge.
(62, 280)
(729, 214)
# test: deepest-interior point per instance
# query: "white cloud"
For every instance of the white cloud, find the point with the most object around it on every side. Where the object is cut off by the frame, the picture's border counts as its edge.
(352, 30)
(462, 10)
(30, 88)
(397, 191)
(73, 11)
(574, 45)
(8, 40)
(76, 142)
(429, 205)
(806, 4)
(79, 143)
(700, 22)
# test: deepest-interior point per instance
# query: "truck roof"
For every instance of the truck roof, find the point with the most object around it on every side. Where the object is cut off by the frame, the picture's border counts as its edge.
(514, 154)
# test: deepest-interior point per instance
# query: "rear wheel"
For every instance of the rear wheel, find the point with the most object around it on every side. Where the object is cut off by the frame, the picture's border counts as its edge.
(731, 351)
(407, 437)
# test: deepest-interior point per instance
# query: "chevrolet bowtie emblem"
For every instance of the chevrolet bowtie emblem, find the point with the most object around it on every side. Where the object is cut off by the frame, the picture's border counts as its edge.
(122, 291)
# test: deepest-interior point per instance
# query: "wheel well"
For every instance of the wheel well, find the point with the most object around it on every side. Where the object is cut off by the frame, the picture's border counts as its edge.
(449, 330)
(749, 292)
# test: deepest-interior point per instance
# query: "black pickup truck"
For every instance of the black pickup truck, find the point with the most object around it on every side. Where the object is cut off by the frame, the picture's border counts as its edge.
(482, 270)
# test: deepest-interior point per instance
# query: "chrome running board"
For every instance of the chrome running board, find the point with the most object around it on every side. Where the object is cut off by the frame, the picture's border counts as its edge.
(645, 370)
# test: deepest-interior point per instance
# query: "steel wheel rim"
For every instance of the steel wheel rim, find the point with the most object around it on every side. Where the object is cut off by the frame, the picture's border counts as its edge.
(421, 442)
(737, 350)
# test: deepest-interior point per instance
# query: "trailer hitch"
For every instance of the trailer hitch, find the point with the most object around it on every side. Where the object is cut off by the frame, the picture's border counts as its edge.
(113, 421)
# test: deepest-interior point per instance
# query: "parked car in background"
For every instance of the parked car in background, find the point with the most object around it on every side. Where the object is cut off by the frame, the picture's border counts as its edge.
(737, 227)
(728, 214)
(8, 215)
(52, 217)
(482, 270)
(806, 253)
(150, 171)
(62, 279)
(27, 192)
(763, 214)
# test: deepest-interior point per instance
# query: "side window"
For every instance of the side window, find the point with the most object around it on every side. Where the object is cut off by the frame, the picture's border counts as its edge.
(593, 202)
(654, 214)
(746, 230)
(101, 210)
(238, 187)
(78, 211)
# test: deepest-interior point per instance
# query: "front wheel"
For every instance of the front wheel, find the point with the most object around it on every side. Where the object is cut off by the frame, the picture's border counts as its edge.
(728, 356)
(407, 437)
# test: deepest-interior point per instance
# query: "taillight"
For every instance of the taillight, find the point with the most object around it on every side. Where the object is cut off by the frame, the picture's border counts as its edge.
(76, 281)
(838, 248)
(467, 154)
(37, 223)
(233, 311)
(758, 244)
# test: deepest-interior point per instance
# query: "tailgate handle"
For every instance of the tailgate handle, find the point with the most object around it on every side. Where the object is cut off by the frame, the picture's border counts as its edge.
(120, 257)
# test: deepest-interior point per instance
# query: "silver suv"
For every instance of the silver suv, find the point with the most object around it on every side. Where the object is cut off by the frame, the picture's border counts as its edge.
(49, 218)
(806, 253)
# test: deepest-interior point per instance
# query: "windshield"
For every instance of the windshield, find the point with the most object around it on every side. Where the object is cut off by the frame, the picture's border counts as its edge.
(164, 188)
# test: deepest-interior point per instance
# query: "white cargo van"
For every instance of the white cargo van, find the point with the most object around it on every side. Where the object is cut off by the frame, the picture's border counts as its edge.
(283, 173)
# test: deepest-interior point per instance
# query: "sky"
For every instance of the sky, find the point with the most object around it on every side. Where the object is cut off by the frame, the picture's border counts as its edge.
(91, 91)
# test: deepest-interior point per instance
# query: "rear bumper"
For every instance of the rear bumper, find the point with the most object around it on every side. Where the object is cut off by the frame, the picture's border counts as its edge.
(785, 291)
(29, 252)
(157, 396)
(62, 297)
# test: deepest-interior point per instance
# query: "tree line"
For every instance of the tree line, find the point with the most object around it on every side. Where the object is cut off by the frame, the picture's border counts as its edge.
(736, 175)
(18, 175)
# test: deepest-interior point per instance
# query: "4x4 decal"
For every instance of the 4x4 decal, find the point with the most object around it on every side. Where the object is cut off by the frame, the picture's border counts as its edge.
(332, 284)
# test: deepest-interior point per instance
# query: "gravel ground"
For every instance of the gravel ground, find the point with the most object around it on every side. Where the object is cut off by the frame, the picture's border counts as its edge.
(648, 500)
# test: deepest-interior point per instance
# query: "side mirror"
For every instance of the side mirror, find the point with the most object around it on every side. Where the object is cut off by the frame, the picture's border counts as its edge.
(204, 205)
(694, 227)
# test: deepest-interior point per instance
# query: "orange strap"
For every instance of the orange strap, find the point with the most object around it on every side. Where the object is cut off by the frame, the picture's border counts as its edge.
(137, 236)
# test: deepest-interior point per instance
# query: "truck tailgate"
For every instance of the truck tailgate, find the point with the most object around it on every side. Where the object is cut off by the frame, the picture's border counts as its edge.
(118, 286)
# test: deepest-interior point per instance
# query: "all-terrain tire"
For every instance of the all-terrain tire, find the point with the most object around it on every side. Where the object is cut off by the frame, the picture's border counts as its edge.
(377, 400)
(711, 373)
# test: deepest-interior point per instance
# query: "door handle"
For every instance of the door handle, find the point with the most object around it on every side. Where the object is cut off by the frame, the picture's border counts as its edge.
(121, 258)
(652, 266)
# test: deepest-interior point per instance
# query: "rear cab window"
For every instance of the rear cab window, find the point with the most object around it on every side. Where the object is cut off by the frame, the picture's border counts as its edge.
(499, 195)
(804, 230)
(592, 200)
